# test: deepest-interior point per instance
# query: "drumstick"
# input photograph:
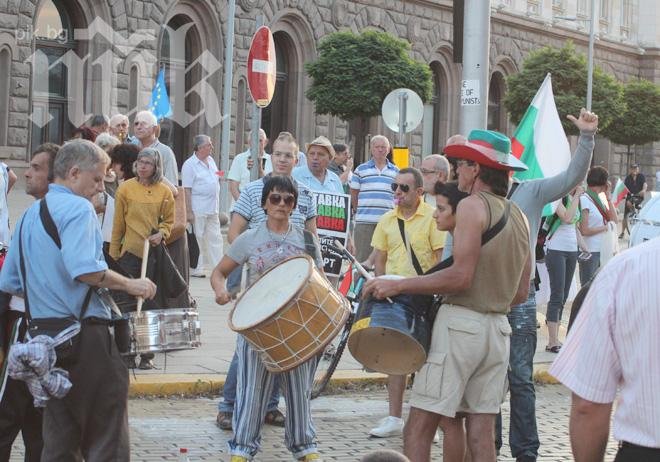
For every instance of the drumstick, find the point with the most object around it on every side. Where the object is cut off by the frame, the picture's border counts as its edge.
(143, 271)
(357, 264)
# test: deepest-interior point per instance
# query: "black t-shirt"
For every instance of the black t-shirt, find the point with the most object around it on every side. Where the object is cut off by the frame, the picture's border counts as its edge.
(635, 185)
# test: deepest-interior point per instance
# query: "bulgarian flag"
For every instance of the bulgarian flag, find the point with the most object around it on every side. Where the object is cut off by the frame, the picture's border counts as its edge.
(620, 192)
(540, 141)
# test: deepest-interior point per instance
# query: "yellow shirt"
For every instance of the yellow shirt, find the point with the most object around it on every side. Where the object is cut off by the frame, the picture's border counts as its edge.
(422, 233)
(140, 209)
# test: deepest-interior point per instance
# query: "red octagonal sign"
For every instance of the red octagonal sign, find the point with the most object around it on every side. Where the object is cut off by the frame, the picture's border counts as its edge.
(262, 67)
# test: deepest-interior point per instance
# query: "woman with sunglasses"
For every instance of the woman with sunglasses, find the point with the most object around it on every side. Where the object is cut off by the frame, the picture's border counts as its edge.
(261, 248)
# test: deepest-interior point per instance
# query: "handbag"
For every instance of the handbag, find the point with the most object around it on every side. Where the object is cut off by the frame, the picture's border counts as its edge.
(179, 226)
(65, 331)
(193, 246)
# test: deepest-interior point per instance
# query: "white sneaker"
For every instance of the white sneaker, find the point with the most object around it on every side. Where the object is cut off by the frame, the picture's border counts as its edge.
(389, 426)
(436, 437)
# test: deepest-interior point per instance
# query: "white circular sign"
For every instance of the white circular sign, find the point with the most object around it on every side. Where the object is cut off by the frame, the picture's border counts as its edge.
(413, 113)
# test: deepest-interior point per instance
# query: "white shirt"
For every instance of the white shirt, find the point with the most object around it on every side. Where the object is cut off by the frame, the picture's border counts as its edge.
(203, 180)
(240, 172)
(595, 220)
(614, 344)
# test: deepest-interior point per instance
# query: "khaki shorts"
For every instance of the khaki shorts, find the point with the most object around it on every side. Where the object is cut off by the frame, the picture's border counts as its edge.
(362, 240)
(467, 364)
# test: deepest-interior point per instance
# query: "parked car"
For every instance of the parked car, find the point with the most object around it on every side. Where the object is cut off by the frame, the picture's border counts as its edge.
(646, 225)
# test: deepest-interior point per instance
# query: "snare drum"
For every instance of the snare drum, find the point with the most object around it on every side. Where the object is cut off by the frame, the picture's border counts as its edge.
(391, 338)
(158, 331)
(289, 314)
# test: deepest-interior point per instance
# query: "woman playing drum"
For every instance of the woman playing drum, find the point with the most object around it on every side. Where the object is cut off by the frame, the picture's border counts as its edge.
(261, 248)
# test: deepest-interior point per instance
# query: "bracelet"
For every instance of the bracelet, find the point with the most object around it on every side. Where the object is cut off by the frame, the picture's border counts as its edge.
(102, 276)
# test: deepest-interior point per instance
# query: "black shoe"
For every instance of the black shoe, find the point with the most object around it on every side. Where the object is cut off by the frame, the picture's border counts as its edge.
(526, 459)
(146, 364)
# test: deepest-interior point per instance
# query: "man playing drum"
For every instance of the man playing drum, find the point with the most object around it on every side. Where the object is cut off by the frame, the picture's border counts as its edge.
(261, 248)
(465, 371)
(411, 217)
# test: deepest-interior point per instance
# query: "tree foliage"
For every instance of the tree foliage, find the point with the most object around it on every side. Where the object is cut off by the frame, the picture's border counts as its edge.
(569, 84)
(639, 123)
(354, 73)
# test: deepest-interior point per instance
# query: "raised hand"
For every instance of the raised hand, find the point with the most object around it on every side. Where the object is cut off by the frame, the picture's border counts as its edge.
(588, 121)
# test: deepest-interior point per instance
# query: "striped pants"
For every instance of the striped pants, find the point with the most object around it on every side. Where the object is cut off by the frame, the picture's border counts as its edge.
(254, 386)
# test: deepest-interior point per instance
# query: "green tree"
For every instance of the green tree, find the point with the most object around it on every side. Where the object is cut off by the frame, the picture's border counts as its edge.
(639, 123)
(569, 84)
(354, 73)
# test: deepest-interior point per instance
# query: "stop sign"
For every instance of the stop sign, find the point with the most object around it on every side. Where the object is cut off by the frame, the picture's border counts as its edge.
(262, 67)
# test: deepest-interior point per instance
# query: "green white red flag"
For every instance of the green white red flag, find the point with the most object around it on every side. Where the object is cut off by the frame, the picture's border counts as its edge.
(619, 193)
(540, 141)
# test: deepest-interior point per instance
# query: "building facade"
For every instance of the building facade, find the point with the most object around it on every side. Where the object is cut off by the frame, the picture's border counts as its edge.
(61, 61)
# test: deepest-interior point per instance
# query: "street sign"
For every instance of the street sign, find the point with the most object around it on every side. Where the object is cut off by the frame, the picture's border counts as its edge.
(402, 111)
(262, 68)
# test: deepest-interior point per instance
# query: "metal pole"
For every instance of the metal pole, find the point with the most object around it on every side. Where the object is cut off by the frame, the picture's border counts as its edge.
(256, 125)
(226, 107)
(590, 56)
(474, 87)
(403, 104)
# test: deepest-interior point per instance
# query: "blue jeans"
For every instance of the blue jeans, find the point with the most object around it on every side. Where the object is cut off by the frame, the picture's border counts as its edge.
(523, 435)
(229, 390)
(589, 267)
(561, 268)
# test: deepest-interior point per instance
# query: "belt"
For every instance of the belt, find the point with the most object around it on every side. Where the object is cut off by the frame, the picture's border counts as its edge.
(625, 444)
(93, 320)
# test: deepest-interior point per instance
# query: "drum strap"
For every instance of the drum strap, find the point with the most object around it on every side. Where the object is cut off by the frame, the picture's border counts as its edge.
(411, 251)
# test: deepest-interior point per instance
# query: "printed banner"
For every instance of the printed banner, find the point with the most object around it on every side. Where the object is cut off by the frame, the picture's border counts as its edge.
(332, 223)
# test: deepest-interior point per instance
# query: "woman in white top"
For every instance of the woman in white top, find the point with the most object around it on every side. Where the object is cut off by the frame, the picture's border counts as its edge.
(595, 219)
(560, 259)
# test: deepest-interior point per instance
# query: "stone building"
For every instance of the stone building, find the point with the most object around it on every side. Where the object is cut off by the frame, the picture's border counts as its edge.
(62, 61)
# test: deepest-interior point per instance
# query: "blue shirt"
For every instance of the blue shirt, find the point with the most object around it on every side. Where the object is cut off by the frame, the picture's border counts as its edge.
(53, 291)
(249, 207)
(304, 176)
(375, 196)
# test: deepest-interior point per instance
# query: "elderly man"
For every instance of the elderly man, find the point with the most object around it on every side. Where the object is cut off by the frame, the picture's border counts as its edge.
(199, 176)
(239, 172)
(91, 421)
(118, 126)
(17, 411)
(144, 127)
(248, 213)
(315, 175)
(371, 194)
(409, 226)
(613, 349)
(466, 374)
(434, 168)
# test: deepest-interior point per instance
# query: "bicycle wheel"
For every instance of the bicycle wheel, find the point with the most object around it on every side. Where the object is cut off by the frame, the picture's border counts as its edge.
(329, 359)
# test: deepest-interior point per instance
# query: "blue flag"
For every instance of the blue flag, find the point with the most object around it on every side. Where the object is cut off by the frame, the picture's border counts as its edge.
(160, 101)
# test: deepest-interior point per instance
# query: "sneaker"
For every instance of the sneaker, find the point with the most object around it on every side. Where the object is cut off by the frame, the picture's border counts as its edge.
(197, 274)
(238, 459)
(389, 426)
(146, 364)
(310, 457)
(223, 420)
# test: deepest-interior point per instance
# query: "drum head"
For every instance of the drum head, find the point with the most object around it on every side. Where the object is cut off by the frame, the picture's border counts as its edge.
(272, 291)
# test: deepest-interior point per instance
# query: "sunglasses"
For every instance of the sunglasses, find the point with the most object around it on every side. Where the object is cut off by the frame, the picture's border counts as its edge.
(276, 199)
(404, 187)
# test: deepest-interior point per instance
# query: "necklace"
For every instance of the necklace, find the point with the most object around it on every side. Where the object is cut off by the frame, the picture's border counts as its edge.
(279, 250)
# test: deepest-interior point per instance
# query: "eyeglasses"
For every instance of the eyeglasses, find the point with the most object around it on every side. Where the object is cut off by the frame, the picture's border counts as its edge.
(145, 162)
(404, 187)
(276, 199)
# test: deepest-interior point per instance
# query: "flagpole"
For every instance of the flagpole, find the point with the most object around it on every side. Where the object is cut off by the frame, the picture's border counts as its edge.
(226, 108)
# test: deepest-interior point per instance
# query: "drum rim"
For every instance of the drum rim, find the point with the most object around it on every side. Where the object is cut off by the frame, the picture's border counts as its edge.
(281, 308)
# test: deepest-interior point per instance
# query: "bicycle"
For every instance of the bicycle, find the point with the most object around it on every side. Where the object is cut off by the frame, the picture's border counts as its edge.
(329, 359)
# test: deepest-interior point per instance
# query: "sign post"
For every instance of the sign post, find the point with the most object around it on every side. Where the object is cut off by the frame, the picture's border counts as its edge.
(402, 112)
(261, 73)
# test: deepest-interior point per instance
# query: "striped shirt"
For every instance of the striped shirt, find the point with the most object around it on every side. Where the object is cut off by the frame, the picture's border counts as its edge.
(375, 196)
(615, 344)
(249, 207)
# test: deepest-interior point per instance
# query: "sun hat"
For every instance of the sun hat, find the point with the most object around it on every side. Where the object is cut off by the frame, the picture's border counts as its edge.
(323, 142)
(488, 148)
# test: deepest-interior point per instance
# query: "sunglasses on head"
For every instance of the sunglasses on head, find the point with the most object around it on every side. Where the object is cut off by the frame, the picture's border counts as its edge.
(276, 199)
(404, 187)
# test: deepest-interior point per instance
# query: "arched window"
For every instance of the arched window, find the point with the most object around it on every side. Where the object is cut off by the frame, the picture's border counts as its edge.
(496, 111)
(240, 117)
(53, 34)
(133, 88)
(5, 74)
(434, 120)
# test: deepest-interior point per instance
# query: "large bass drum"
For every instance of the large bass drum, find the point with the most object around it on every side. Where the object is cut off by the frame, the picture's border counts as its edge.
(289, 314)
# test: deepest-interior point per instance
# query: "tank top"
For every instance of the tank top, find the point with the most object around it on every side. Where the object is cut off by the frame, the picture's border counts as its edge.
(501, 262)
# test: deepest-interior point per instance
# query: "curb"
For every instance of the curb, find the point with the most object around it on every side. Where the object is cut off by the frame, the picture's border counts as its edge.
(193, 385)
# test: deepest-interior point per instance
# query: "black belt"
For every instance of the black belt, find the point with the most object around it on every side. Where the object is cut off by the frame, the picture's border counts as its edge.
(625, 444)
(96, 321)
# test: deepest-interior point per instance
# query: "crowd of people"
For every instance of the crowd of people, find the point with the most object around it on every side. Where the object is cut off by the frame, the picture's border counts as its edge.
(457, 226)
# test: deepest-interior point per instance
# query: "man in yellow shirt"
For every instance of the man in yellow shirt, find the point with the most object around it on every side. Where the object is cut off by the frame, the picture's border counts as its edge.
(421, 250)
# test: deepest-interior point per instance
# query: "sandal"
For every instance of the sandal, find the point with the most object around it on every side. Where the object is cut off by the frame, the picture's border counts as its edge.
(275, 417)
(223, 421)
(553, 349)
